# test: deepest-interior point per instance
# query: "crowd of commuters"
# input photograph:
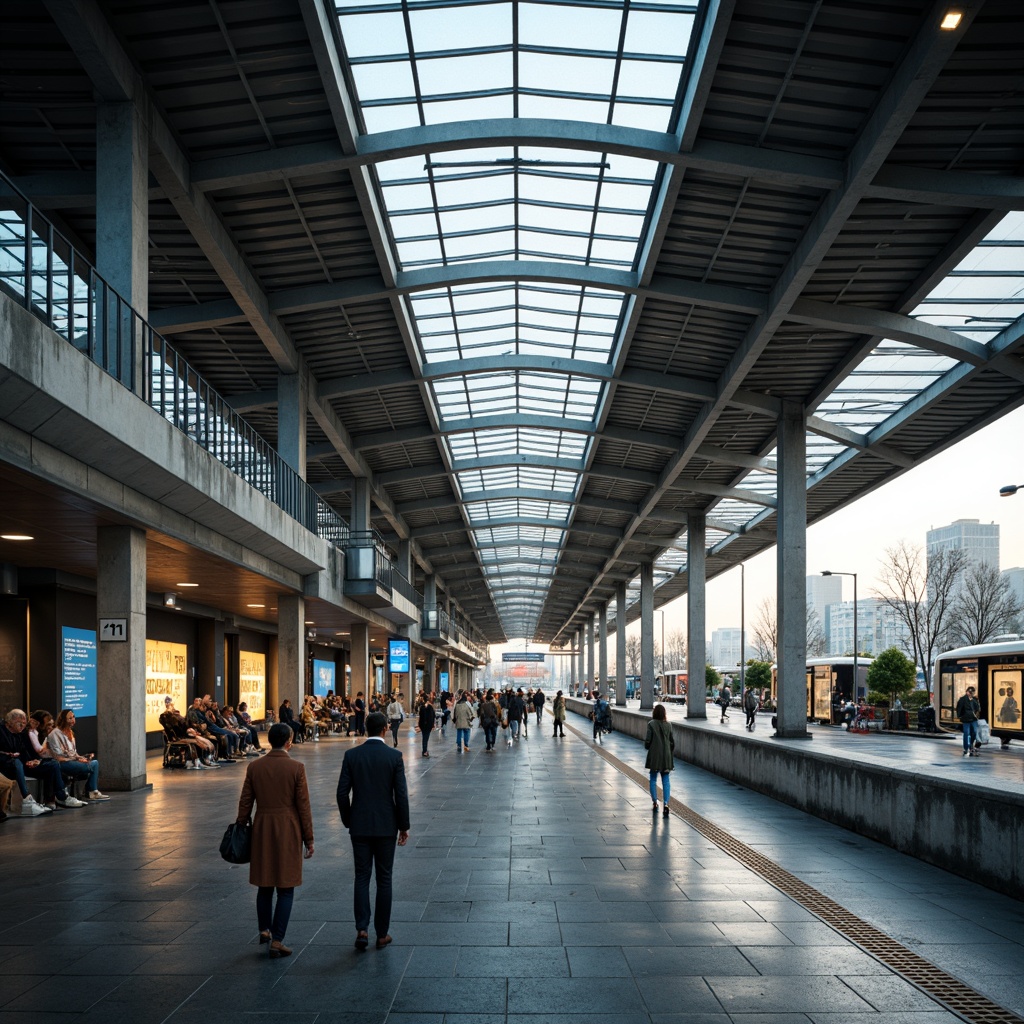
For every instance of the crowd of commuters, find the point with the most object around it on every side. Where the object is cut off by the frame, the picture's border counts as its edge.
(38, 747)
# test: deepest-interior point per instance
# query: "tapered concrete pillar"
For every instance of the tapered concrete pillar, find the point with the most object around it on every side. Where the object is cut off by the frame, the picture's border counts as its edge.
(591, 667)
(620, 644)
(646, 636)
(581, 658)
(696, 605)
(791, 554)
(121, 656)
(292, 410)
(291, 649)
(602, 647)
(360, 522)
(573, 679)
(430, 673)
(122, 233)
(360, 659)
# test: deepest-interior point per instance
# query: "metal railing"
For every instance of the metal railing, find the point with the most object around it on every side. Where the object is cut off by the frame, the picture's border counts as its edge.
(404, 587)
(41, 270)
(366, 558)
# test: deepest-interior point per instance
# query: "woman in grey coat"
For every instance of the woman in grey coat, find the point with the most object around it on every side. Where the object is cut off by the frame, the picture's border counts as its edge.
(660, 745)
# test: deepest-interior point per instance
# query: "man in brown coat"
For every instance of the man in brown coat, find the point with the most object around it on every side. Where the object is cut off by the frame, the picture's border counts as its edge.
(282, 827)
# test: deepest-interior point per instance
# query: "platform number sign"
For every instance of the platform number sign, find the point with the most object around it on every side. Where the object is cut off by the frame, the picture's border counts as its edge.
(113, 630)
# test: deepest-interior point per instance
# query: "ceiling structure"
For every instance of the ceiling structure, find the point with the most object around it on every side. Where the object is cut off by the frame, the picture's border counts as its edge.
(555, 269)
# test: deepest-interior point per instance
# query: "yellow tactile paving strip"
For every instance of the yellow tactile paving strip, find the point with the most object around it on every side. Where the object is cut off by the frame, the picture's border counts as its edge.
(953, 994)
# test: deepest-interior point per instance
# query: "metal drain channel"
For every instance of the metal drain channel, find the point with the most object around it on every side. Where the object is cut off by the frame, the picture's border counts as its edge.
(952, 993)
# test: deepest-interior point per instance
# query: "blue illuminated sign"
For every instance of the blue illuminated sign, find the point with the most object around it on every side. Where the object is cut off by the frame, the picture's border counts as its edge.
(398, 654)
(323, 677)
(78, 671)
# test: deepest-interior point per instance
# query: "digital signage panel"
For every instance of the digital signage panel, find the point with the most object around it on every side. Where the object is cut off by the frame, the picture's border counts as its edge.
(398, 654)
(166, 676)
(78, 671)
(252, 683)
(323, 677)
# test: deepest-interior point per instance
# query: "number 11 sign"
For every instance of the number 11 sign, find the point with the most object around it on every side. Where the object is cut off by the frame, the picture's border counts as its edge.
(113, 629)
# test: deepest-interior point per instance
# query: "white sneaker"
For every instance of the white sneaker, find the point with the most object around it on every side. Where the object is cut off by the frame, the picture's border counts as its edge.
(95, 794)
(71, 801)
(191, 766)
(29, 807)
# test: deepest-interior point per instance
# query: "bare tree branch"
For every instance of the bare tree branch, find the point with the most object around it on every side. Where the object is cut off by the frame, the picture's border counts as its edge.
(815, 634)
(766, 631)
(985, 606)
(922, 596)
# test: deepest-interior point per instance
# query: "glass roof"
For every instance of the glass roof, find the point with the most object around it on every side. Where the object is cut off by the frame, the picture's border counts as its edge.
(423, 64)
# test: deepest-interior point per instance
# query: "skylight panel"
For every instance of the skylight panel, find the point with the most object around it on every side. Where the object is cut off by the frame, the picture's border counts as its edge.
(435, 29)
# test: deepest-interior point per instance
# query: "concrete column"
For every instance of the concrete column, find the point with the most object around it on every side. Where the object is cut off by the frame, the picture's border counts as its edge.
(696, 641)
(121, 663)
(122, 235)
(791, 520)
(404, 563)
(430, 673)
(602, 648)
(273, 700)
(646, 636)
(210, 672)
(361, 522)
(620, 643)
(581, 664)
(572, 663)
(292, 409)
(360, 659)
(291, 649)
(591, 670)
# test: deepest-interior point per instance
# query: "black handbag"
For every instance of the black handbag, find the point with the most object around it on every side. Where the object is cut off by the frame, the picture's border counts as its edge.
(236, 846)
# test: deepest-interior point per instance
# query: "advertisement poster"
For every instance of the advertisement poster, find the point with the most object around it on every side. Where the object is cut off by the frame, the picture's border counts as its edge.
(398, 654)
(323, 677)
(166, 676)
(78, 671)
(252, 683)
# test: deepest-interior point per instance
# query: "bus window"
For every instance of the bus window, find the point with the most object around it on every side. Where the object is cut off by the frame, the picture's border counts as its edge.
(953, 683)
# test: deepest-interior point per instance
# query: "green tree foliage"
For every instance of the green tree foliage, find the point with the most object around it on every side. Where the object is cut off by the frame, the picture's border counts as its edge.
(758, 675)
(712, 680)
(893, 674)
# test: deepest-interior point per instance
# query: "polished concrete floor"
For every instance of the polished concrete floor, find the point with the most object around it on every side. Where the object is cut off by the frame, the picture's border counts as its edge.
(537, 887)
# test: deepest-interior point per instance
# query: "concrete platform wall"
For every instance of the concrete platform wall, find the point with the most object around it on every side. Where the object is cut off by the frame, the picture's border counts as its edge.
(972, 832)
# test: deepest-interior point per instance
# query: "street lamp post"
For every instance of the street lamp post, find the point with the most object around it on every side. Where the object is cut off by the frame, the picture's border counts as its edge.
(663, 648)
(1009, 489)
(856, 647)
(743, 634)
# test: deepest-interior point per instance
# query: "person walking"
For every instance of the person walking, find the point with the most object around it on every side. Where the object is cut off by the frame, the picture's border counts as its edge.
(538, 704)
(396, 715)
(660, 745)
(282, 833)
(373, 801)
(750, 703)
(968, 710)
(463, 717)
(490, 712)
(514, 711)
(527, 701)
(425, 721)
(602, 716)
(724, 697)
(558, 715)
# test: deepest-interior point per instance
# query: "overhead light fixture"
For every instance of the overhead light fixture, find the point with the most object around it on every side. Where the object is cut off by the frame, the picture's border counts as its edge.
(170, 600)
(951, 20)
(15, 536)
(255, 606)
(186, 584)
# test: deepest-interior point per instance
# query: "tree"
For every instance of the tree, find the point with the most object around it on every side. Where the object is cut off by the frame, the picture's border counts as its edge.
(712, 680)
(633, 655)
(922, 597)
(815, 634)
(758, 675)
(985, 606)
(893, 674)
(675, 650)
(766, 631)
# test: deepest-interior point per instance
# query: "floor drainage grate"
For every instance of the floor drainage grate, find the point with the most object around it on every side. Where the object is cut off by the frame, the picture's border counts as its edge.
(952, 993)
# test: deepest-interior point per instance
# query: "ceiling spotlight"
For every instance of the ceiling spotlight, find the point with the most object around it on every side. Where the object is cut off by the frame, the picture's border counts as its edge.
(15, 536)
(170, 600)
(951, 20)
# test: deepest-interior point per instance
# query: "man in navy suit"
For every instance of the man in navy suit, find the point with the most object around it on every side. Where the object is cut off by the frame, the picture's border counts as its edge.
(374, 805)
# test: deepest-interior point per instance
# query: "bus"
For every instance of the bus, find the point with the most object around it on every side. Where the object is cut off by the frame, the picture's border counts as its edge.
(995, 670)
(672, 682)
(830, 685)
